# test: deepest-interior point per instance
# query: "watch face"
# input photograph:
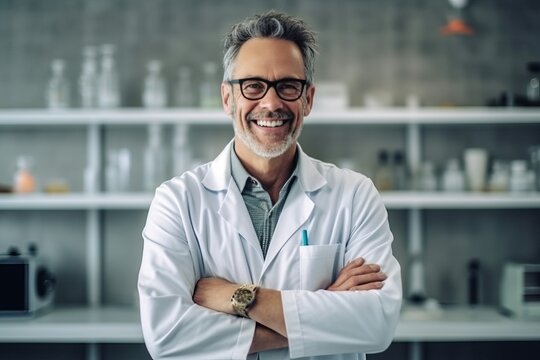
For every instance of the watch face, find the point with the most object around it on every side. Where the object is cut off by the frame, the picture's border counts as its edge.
(243, 295)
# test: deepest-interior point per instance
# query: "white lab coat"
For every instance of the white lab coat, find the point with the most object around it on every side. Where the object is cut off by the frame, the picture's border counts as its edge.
(198, 226)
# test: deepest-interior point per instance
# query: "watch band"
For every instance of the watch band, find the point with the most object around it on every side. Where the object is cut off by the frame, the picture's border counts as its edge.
(243, 297)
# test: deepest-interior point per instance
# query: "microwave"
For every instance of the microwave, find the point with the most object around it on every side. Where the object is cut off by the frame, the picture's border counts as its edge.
(27, 286)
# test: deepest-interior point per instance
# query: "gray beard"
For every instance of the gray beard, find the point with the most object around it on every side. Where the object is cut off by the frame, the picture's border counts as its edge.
(267, 153)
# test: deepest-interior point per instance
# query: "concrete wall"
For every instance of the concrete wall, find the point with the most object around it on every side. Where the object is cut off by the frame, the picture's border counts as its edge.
(385, 45)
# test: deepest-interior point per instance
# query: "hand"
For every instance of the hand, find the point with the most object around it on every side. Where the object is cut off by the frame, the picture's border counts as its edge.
(357, 275)
(215, 294)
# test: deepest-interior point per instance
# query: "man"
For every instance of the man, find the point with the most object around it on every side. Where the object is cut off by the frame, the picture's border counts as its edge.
(227, 270)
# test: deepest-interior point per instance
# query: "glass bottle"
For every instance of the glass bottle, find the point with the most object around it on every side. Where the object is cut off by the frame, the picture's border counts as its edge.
(500, 176)
(383, 172)
(117, 172)
(58, 87)
(427, 179)
(209, 90)
(155, 88)
(181, 149)
(534, 152)
(108, 85)
(184, 88)
(399, 171)
(453, 178)
(520, 177)
(473, 281)
(533, 86)
(154, 159)
(88, 79)
(24, 180)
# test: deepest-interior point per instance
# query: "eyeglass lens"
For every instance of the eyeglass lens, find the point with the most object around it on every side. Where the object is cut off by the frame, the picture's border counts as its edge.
(288, 89)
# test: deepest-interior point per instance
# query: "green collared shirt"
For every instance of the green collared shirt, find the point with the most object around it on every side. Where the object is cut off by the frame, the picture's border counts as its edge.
(263, 214)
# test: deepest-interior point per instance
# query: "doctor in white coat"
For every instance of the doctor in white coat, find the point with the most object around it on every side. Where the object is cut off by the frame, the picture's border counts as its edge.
(212, 284)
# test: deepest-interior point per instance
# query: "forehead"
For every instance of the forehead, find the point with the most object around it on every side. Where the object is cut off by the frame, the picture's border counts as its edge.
(269, 58)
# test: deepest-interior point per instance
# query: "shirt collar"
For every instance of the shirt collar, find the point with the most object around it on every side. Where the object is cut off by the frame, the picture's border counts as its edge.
(238, 172)
(241, 176)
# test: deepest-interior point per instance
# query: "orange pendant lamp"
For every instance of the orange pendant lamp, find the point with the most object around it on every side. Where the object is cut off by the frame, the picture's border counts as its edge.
(456, 25)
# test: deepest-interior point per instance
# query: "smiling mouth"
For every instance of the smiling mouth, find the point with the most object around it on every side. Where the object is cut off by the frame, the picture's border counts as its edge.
(270, 123)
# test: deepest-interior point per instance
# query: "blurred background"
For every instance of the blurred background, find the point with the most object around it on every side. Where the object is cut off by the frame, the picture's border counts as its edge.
(101, 100)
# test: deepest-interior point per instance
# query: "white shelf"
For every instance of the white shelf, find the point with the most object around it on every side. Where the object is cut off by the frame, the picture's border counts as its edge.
(121, 325)
(124, 116)
(75, 325)
(392, 200)
(463, 200)
(464, 324)
(133, 201)
(389, 116)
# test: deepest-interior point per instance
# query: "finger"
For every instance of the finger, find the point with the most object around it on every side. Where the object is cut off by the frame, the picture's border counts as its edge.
(363, 279)
(371, 286)
(342, 276)
(364, 269)
(353, 264)
(358, 280)
(347, 273)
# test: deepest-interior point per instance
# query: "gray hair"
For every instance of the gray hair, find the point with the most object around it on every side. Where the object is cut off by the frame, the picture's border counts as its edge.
(271, 25)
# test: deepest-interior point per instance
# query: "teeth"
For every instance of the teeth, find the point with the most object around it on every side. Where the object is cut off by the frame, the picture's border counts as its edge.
(270, 123)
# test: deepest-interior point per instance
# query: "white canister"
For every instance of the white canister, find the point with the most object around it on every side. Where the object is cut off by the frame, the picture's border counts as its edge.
(476, 161)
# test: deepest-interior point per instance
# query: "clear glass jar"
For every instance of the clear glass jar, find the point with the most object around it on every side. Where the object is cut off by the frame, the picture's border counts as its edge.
(88, 80)
(453, 178)
(520, 176)
(155, 88)
(184, 88)
(108, 84)
(500, 176)
(58, 88)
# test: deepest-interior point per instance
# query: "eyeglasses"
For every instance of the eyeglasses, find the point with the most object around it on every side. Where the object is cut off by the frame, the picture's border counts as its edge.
(287, 89)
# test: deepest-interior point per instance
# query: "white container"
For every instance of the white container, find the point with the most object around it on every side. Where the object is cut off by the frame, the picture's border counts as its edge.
(521, 179)
(453, 178)
(500, 177)
(476, 161)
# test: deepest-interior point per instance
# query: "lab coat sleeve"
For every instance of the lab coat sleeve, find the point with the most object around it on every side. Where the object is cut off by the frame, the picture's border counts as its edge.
(324, 322)
(173, 326)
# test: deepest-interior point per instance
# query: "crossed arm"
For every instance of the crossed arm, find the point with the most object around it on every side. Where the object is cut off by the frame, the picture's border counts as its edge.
(267, 311)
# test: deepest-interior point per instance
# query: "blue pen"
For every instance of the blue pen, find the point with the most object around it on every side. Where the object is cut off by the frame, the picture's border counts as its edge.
(305, 241)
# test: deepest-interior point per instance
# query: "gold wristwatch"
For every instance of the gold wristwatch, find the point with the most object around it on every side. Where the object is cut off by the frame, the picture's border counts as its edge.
(243, 297)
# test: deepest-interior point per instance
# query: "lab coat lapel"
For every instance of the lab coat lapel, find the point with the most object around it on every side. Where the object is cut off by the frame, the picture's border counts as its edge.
(298, 206)
(232, 209)
(297, 209)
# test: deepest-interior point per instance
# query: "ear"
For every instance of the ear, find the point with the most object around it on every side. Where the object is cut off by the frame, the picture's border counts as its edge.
(226, 98)
(310, 94)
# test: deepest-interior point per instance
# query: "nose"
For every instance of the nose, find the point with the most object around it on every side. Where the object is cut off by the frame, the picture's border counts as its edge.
(271, 101)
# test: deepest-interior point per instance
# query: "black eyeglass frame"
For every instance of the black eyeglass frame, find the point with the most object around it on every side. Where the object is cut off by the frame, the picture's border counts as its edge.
(270, 84)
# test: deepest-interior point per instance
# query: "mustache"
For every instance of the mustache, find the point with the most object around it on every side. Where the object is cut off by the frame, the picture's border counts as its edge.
(271, 115)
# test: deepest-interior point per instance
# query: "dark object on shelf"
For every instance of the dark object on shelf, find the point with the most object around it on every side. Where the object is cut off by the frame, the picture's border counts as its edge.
(473, 281)
(417, 298)
(27, 284)
(506, 99)
(5, 189)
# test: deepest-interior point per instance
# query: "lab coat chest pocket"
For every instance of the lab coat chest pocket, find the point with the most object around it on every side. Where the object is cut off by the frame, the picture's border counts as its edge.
(317, 266)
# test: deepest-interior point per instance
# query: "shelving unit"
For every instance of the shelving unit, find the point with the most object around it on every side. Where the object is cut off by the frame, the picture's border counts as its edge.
(392, 200)
(121, 325)
(97, 324)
